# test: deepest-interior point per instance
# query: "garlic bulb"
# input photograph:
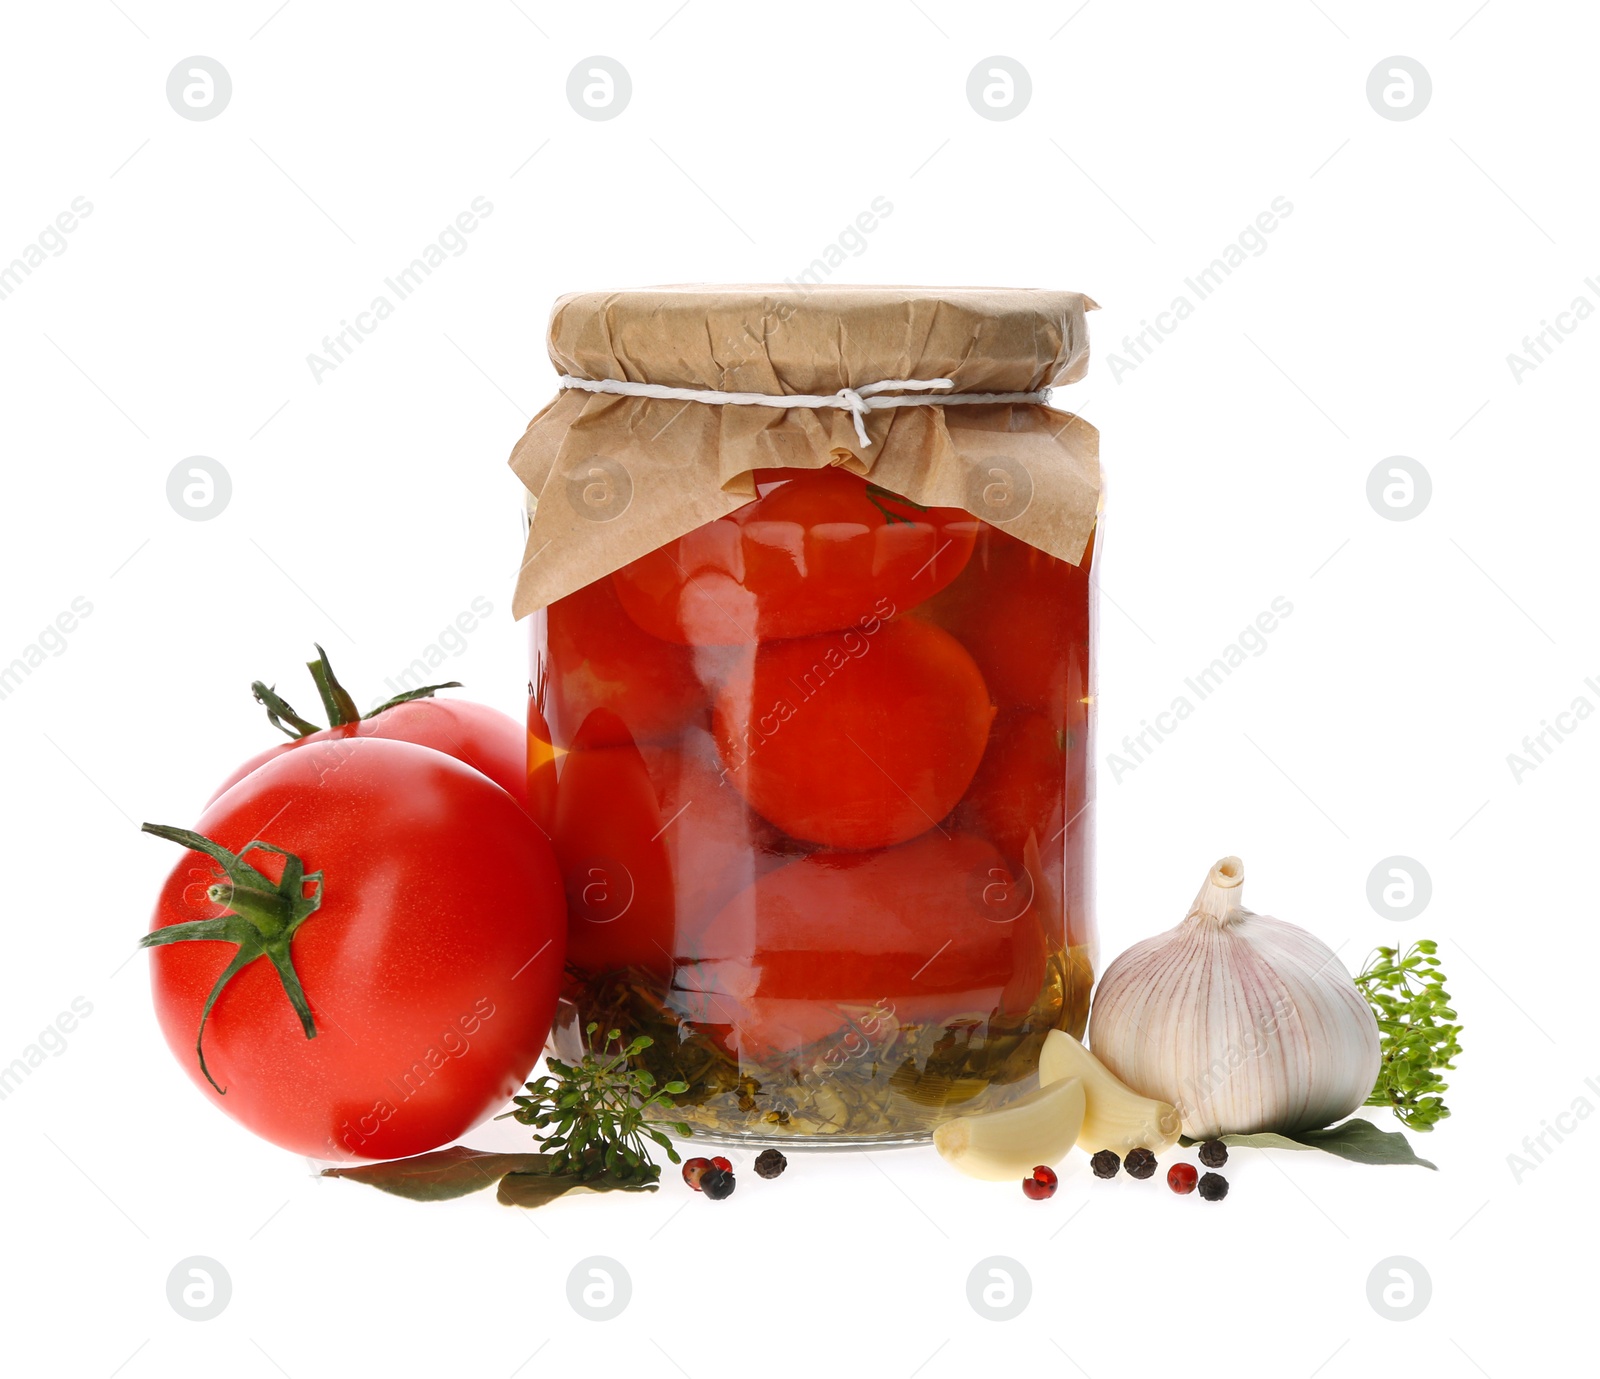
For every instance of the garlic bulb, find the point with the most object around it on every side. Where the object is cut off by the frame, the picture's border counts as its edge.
(1241, 1021)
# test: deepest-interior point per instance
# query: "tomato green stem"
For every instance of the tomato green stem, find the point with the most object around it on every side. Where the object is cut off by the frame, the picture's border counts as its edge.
(280, 713)
(267, 910)
(265, 917)
(336, 700)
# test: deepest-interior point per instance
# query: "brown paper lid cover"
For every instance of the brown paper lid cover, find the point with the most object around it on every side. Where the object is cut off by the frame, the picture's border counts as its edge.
(612, 478)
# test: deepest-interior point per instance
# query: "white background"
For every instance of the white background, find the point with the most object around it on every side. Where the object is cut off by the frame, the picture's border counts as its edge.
(371, 508)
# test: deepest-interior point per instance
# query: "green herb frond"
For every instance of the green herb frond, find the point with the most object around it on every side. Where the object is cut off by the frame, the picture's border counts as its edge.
(592, 1118)
(1418, 1032)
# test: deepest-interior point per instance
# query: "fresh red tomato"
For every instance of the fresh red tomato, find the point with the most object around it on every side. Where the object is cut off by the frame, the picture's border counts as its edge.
(491, 742)
(417, 932)
(929, 931)
(486, 739)
(1022, 614)
(614, 863)
(855, 739)
(816, 550)
(591, 655)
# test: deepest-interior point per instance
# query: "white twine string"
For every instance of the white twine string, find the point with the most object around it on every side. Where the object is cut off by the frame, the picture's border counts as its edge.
(869, 397)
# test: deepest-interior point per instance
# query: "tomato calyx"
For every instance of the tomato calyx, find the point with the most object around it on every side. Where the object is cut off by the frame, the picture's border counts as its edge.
(336, 700)
(266, 916)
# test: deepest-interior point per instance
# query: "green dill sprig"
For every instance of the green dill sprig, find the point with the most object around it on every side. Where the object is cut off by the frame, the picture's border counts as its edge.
(591, 1118)
(1417, 1027)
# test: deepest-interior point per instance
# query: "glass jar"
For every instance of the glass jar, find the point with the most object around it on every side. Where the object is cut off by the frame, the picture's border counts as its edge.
(811, 718)
(823, 806)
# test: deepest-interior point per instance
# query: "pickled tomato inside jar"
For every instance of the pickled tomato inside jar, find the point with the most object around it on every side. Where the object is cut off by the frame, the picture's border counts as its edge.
(929, 928)
(815, 551)
(652, 842)
(856, 739)
(1025, 617)
(591, 656)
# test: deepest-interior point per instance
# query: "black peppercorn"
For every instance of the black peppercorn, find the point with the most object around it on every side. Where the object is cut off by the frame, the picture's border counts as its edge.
(1213, 1187)
(1140, 1163)
(770, 1163)
(1105, 1163)
(1213, 1153)
(717, 1184)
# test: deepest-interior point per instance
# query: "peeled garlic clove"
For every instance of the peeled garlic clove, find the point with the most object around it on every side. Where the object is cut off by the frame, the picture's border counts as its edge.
(1241, 1021)
(1115, 1116)
(1009, 1142)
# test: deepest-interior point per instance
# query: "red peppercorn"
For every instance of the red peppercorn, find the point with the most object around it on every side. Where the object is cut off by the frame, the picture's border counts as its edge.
(1041, 1185)
(694, 1170)
(722, 1163)
(1182, 1177)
